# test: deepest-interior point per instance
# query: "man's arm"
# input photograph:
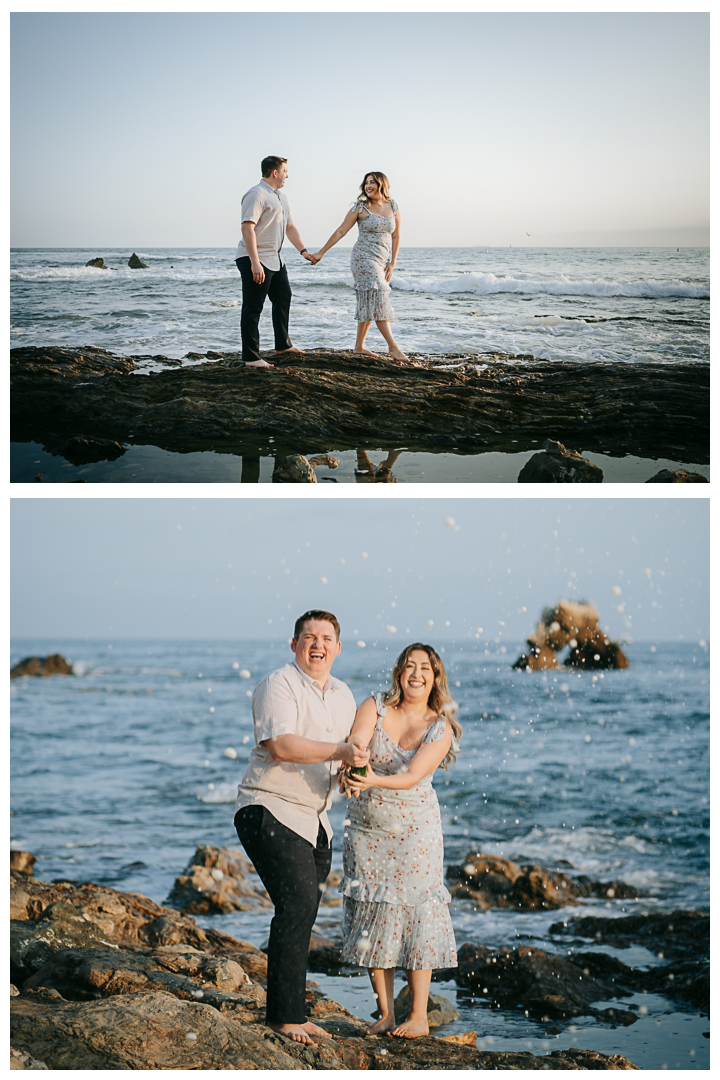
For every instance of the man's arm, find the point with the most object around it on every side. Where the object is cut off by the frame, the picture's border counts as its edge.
(250, 242)
(296, 240)
(301, 751)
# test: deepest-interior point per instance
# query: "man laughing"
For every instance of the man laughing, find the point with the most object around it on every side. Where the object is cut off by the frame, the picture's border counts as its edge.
(302, 717)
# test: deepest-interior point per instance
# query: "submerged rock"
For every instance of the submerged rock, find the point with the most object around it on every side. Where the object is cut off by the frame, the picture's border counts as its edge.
(440, 1011)
(215, 883)
(135, 263)
(559, 466)
(42, 666)
(677, 476)
(493, 881)
(82, 450)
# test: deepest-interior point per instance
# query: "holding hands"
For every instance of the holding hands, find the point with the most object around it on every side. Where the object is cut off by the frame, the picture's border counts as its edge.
(312, 259)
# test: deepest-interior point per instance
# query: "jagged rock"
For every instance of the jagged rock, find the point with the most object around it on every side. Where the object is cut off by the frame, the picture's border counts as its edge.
(83, 451)
(42, 666)
(136, 263)
(325, 459)
(573, 623)
(149, 1031)
(32, 942)
(294, 469)
(335, 398)
(559, 466)
(20, 1060)
(440, 1010)
(99, 263)
(547, 985)
(22, 862)
(215, 883)
(130, 920)
(85, 974)
(677, 476)
(493, 881)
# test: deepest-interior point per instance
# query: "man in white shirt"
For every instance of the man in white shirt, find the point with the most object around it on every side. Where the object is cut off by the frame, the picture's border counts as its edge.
(266, 221)
(302, 718)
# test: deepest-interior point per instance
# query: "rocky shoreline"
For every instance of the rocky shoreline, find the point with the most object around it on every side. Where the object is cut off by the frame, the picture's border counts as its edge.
(85, 404)
(103, 979)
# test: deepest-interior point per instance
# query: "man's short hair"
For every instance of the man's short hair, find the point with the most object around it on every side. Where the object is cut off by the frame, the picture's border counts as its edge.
(319, 616)
(268, 164)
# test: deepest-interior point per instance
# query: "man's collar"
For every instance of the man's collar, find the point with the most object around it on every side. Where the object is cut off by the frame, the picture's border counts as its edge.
(309, 681)
(269, 186)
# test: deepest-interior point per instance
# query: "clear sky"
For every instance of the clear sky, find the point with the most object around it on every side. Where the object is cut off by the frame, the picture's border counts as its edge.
(234, 568)
(144, 130)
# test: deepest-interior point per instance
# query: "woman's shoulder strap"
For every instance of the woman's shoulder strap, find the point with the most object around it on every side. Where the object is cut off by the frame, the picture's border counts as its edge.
(381, 708)
(393, 206)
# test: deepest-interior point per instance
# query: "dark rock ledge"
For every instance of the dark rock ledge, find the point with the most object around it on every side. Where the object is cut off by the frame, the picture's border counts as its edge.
(333, 399)
(112, 980)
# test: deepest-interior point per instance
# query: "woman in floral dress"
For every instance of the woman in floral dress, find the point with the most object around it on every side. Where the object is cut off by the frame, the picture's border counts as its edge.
(373, 259)
(395, 906)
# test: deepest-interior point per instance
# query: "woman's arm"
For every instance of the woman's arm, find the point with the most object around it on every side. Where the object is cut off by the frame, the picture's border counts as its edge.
(395, 246)
(350, 219)
(425, 761)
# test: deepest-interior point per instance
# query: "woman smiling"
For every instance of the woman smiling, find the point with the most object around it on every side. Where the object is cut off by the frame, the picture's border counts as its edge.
(395, 906)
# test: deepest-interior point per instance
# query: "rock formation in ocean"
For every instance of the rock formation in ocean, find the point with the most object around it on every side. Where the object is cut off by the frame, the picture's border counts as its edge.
(99, 263)
(215, 882)
(677, 476)
(136, 263)
(573, 623)
(42, 666)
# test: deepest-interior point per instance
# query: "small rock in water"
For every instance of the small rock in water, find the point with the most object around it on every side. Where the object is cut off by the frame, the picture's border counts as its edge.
(677, 476)
(136, 263)
(98, 263)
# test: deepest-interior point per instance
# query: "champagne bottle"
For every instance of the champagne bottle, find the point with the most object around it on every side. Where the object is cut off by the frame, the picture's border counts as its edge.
(358, 770)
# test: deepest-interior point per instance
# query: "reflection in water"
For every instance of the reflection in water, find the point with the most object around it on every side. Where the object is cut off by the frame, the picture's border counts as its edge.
(367, 473)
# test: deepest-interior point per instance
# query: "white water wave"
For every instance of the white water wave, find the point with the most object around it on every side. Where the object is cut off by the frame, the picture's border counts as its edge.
(217, 793)
(487, 284)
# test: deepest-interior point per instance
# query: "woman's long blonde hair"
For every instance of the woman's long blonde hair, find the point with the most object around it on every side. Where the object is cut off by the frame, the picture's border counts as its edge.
(382, 182)
(440, 700)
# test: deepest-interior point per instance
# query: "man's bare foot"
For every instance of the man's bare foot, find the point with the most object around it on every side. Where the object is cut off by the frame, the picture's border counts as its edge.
(293, 348)
(313, 1029)
(296, 1032)
(258, 363)
(412, 1029)
(382, 1025)
(365, 352)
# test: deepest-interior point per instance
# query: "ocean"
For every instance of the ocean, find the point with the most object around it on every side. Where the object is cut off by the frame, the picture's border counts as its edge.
(120, 772)
(606, 304)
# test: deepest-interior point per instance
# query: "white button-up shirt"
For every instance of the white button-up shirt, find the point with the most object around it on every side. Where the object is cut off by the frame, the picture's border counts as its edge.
(270, 212)
(289, 702)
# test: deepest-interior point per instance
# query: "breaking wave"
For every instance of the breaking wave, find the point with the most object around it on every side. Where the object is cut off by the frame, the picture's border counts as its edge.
(487, 284)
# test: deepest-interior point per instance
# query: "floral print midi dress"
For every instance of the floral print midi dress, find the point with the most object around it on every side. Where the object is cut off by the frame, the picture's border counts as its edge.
(369, 261)
(395, 906)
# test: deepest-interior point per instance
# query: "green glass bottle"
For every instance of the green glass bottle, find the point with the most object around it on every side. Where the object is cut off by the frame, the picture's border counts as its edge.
(358, 770)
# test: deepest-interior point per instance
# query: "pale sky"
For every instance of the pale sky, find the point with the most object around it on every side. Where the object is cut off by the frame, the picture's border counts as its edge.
(144, 130)
(240, 568)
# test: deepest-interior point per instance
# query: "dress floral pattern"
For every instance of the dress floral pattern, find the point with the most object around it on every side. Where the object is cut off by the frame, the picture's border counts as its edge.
(368, 261)
(395, 906)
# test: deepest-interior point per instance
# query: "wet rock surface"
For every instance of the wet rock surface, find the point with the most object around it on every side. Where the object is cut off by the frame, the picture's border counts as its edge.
(493, 881)
(682, 938)
(333, 398)
(559, 466)
(677, 476)
(440, 1010)
(42, 666)
(294, 469)
(215, 882)
(136, 263)
(546, 985)
(80, 450)
(99, 263)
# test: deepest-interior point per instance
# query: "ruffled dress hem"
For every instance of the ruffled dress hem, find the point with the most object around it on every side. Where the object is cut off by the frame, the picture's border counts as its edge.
(381, 935)
(373, 305)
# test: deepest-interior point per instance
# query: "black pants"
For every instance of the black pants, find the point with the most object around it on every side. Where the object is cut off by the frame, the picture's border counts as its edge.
(276, 286)
(292, 871)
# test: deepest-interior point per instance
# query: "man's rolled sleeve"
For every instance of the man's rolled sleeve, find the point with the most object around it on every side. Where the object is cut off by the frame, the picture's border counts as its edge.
(275, 709)
(252, 207)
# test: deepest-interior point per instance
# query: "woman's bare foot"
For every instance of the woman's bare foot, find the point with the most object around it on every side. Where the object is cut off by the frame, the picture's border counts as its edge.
(385, 1023)
(399, 355)
(258, 363)
(412, 1029)
(313, 1029)
(296, 1032)
(365, 352)
(293, 348)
